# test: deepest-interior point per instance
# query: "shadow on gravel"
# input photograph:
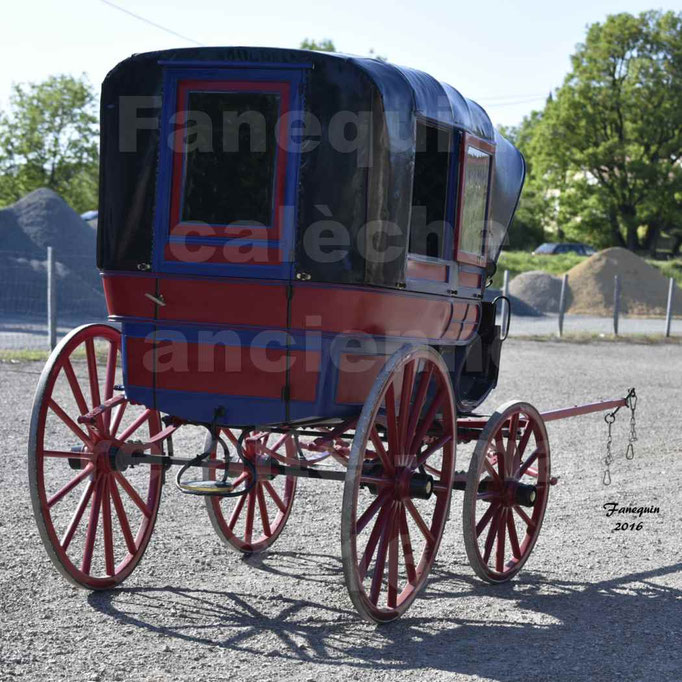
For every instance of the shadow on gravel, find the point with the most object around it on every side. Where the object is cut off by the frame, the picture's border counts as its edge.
(528, 629)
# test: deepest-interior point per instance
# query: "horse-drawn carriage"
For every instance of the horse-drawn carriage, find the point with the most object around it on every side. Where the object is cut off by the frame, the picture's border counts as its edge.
(295, 247)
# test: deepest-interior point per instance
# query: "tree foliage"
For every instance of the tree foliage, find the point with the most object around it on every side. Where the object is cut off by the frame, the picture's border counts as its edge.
(605, 152)
(48, 138)
(325, 45)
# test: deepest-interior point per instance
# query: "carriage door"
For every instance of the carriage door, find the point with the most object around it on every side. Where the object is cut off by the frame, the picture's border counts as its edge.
(227, 179)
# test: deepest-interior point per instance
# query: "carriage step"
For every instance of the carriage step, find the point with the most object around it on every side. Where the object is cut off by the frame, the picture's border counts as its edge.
(216, 488)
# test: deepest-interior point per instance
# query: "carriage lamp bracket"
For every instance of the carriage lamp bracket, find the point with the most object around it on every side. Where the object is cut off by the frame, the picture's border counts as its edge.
(505, 323)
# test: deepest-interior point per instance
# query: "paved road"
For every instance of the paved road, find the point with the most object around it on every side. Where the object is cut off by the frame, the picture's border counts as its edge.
(590, 604)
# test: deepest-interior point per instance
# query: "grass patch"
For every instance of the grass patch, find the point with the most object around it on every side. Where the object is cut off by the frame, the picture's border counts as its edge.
(596, 337)
(523, 261)
(24, 355)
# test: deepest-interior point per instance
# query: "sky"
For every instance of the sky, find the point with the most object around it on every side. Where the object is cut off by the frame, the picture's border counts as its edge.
(505, 55)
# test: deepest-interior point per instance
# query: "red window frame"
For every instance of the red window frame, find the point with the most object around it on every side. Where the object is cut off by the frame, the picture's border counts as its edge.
(469, 140)
(270, 232)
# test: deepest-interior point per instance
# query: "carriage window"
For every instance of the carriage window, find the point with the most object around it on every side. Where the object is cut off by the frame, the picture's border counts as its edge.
(474, 201)
(429, 193)
(230, 163)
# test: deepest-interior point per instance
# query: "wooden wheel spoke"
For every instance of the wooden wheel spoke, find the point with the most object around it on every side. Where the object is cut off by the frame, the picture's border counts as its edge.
(372, 541)
(263, 508)
(392, 596)
(109, 377)
(523, 443)
(113, 429)
(510, 454)
(91, 533)
(59, 454)
(139, 421)
(236, 512)
(77, 516)
(106, 529)
(250, 510)
(381, 450)
(513, 537)
(391, 424)
(92, 375)
(486, 519)
(491, 470)
(420, 397)
(371, 511)
(500, 450)
(132, 493)
(421, 524)
(69, 422)
(524, 517)
(122, 517)
(66, 489)
(524, 467)
(405, 398)
(428, 420)
(380, 563)
(75, 386)
(240, 479)
(407, 547)
(501, 533)
(273, 494)
(490, 538)
(434, 447)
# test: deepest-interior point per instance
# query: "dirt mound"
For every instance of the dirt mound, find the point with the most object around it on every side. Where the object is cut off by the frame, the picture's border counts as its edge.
(644, 290)
(518, 307)
(537, 289)
(27, 227)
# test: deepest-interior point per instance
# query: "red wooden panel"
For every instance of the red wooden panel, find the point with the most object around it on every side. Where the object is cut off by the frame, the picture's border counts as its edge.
(469, 279)
(224, 302)
(140, 361)
(356, 376)
(433, 272)
(125, 295)
(383, 314)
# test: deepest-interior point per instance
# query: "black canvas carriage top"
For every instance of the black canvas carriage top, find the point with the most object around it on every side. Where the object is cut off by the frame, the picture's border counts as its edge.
(367, 186)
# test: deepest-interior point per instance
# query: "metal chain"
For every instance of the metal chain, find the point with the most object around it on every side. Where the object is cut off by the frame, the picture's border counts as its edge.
(632, 404)
(609, 419)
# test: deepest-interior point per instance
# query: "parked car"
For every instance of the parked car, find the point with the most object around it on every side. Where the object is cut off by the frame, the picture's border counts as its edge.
(552, 249)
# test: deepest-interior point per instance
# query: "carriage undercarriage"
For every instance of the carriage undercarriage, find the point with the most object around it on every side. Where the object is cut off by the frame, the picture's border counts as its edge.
(396, 459)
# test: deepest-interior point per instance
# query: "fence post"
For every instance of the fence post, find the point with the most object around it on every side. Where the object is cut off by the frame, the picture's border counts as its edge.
(51, 300)
(669, 307)
(616, 303)
(562, 303)
(505, 292)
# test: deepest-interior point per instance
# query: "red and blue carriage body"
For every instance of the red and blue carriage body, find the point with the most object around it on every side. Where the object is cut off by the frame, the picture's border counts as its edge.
(270, 287)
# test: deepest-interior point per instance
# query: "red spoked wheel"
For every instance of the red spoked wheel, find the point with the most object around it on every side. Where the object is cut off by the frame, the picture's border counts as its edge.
(506, 492)
(94, 520)
(398, 483)
(251, 522)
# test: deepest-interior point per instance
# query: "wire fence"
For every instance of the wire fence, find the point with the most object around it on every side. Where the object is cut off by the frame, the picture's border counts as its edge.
(25, 319)
(24, 298)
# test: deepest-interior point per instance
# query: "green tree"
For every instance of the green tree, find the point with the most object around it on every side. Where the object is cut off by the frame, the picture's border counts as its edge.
(534, 211)
(610, 141)
(324, 45)
(327, 45)
(48, 138)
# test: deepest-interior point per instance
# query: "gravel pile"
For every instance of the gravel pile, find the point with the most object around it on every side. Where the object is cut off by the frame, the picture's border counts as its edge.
(518, 307)
(537, 289)
(38, 220)
(644, 290)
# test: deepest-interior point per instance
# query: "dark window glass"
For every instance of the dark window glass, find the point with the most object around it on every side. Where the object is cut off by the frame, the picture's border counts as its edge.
(476, 178)
(432, 160)
(230, 163)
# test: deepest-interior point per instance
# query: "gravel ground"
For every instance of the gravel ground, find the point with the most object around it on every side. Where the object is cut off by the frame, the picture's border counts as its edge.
(591, 604)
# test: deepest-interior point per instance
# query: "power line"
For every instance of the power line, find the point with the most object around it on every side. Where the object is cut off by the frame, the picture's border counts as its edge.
(151, 23)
